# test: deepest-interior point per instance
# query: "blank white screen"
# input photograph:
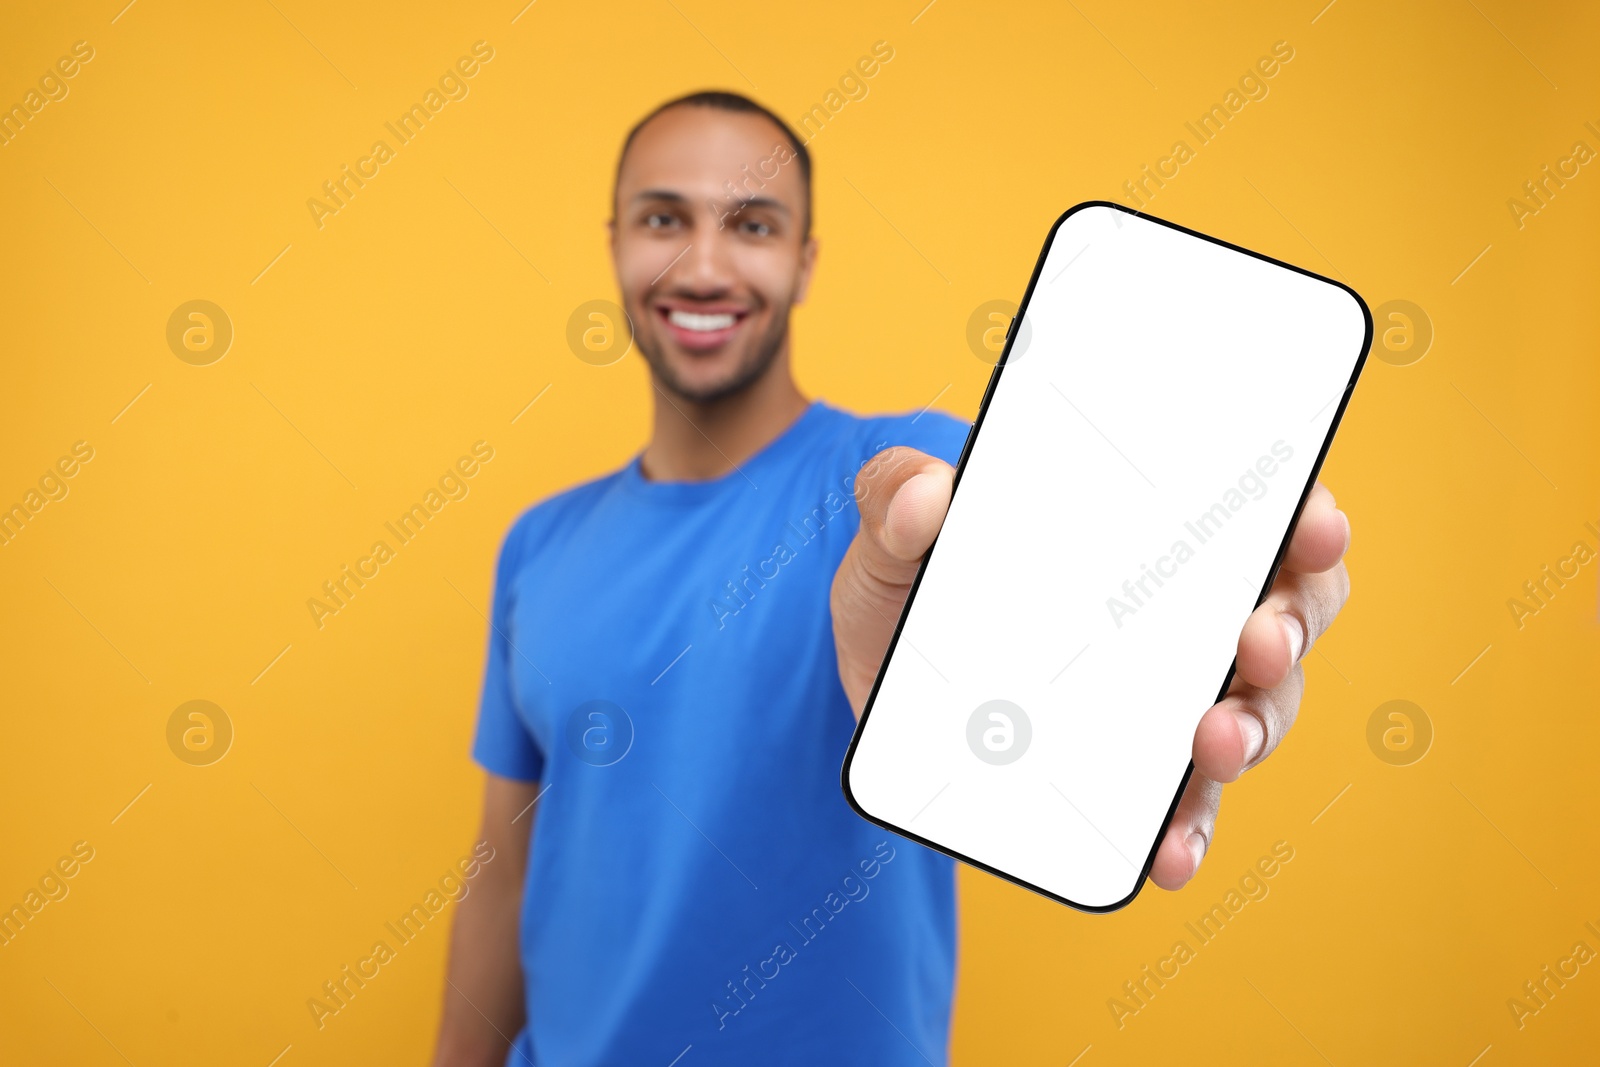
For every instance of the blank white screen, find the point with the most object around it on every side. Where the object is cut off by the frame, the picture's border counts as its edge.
(1166, 378)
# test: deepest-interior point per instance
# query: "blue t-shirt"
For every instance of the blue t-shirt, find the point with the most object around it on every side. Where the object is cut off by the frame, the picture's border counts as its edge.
(662, 661)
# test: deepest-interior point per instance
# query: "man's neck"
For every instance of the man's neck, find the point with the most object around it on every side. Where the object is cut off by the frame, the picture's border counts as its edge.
(696, 442)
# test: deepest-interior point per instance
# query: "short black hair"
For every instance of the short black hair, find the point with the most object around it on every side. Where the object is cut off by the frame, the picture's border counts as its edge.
(723, 100)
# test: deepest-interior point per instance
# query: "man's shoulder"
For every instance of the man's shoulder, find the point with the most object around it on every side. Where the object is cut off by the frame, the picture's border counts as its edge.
(533, 526)
(927, 430)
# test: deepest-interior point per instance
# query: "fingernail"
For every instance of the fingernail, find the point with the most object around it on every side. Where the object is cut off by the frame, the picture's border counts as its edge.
(1251, 734)
(1197, 848)
(1296, 635)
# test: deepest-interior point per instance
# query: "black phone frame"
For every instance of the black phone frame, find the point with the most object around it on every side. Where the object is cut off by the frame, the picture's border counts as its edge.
(966, 450)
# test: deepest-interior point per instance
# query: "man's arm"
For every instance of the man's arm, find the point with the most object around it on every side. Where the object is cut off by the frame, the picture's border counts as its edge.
(483, 1005)
(903, 495)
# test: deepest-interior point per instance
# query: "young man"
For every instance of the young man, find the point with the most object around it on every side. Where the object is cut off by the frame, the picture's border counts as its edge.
(679, 650)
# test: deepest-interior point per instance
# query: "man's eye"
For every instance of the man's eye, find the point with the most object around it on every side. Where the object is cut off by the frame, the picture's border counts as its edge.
(659, 220)
(756, 229)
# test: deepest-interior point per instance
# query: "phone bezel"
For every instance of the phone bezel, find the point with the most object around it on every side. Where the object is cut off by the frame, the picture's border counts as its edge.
(961, 465)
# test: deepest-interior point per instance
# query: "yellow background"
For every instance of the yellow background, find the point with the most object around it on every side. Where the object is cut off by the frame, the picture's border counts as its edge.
(377, 349)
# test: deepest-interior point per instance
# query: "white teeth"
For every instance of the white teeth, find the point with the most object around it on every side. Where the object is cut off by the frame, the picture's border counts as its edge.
(688, 320)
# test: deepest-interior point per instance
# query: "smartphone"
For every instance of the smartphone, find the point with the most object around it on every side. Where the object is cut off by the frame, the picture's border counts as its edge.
(1148, 438)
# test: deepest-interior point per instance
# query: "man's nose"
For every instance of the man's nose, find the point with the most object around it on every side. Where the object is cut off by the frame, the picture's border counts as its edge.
(705, 264)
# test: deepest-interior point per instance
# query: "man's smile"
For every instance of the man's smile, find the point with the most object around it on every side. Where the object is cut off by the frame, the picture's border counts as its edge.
(702, 328)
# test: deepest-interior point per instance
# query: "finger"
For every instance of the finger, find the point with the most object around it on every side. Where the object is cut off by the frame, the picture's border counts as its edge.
(1189, 834)
(1321, 537)
(1278, 634)
(1245, 727)
(903, 495)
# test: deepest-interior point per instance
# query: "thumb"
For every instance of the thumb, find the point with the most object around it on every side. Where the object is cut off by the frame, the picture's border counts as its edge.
(902, 495)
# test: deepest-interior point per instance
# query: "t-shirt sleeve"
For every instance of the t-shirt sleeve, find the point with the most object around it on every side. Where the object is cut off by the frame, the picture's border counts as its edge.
(502, 744)
(933, 432)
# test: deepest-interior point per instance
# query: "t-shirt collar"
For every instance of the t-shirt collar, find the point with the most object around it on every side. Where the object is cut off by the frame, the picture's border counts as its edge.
(745, 474)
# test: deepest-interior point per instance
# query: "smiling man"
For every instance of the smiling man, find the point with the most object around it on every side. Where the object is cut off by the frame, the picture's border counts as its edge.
(678, 653)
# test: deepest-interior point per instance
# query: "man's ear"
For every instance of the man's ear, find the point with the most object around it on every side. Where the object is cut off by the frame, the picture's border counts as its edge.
(808, 263)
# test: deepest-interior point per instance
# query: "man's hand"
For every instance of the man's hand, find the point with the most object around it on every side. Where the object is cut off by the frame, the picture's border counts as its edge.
(903, 495)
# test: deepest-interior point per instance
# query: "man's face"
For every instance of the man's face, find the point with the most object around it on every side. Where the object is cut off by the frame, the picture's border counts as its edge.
(709, 283)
